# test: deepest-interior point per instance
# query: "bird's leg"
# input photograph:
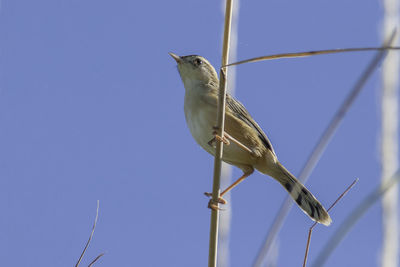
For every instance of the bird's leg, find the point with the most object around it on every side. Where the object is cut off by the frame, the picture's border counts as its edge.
(226, 139)
(238, 181)
(218, 138)
(214, 205)
(221, 139)
(227, 136)
(220, 200)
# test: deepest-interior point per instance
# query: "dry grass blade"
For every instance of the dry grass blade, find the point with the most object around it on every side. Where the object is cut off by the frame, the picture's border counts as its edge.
(312, 53)
(312, 227)
(214, 221)
(319, 149)
(91, 236)
(354, 216)
(95, 259)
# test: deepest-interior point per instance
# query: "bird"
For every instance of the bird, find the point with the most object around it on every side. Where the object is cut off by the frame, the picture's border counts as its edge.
(248, 147)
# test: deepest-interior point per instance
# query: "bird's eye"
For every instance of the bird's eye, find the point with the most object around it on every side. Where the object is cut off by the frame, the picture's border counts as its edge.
(197, 62)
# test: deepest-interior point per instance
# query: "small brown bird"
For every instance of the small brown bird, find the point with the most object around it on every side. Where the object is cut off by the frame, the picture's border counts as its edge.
(249, 147)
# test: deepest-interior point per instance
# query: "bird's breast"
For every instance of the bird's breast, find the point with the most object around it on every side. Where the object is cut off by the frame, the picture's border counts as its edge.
(200, 120)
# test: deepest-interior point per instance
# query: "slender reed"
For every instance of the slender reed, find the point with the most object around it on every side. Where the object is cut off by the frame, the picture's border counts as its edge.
(212, 257)
(312, 53)
(226, 172)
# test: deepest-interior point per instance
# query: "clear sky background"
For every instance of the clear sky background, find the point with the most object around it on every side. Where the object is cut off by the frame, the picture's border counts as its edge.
(91, 108)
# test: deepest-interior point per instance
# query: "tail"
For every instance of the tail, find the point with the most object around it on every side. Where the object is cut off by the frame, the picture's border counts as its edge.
(306, 201)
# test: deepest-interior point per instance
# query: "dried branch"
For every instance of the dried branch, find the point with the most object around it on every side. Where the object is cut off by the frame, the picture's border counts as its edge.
(353, 217)
(320, 148)
(95, 259)
(313, 53)
(90, 238)
(312, 227)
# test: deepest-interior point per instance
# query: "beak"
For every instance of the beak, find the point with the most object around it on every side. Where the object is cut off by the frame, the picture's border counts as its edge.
(176, 57)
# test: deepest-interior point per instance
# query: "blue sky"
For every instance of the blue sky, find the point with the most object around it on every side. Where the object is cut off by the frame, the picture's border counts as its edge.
(91, 108)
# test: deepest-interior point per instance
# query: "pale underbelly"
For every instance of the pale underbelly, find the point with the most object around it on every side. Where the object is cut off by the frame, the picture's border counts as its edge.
(201, 129)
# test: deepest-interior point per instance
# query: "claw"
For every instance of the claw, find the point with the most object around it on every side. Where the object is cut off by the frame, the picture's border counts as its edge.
(213, 206)
(225, 139)
(211, 142)
(222, 139)
(220, 200)
(218, 137)
(208, 194)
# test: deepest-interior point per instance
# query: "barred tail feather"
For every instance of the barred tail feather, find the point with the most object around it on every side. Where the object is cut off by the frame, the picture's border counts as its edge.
(304, 199)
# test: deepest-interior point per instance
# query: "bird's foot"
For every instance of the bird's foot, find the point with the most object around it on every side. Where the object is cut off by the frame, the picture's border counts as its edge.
(217, 137)
(211, 143)
(212, 204)
(221, 139)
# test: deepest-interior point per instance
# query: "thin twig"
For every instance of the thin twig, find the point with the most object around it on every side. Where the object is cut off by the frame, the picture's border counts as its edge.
(353, 217)
(319, 149)
(312, 53)
(91, 235)
(312, 227)
(95, 259)
(212, 256)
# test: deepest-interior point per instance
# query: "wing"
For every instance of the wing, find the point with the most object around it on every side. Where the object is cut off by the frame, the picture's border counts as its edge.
(237, 110)
(240, 112)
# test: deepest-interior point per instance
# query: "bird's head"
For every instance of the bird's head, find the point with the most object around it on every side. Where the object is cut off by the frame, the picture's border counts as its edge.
(195, 70)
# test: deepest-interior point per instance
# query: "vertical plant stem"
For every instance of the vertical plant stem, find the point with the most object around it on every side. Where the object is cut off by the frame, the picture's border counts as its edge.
(212, 258)
(226, 172)
(389, 142)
